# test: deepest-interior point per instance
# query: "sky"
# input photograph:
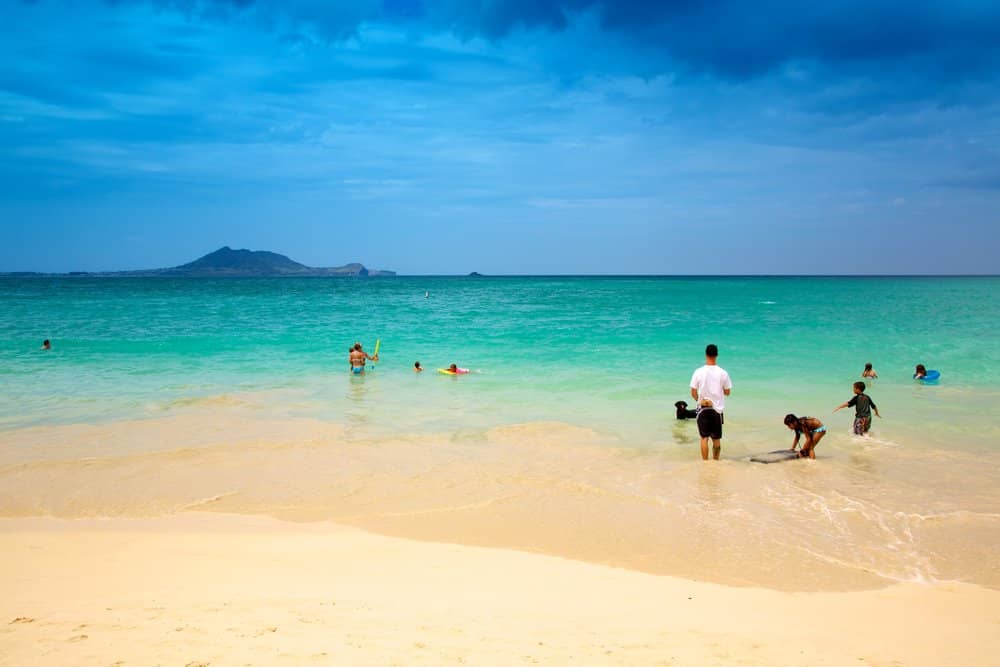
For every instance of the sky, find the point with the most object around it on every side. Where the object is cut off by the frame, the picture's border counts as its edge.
(503, 136)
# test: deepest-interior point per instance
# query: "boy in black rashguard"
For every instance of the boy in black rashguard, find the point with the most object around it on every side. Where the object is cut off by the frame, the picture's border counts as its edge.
(863, 406)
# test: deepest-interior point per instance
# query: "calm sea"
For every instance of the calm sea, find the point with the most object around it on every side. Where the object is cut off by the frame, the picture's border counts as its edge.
(573, 381)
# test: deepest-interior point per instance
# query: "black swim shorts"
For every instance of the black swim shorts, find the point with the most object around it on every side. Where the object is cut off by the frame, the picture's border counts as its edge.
(710, 424)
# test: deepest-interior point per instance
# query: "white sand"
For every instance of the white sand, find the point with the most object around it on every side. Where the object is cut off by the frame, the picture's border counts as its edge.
(234, 590)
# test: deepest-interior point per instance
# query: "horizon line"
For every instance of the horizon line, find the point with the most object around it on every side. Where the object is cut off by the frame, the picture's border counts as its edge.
(122, 274)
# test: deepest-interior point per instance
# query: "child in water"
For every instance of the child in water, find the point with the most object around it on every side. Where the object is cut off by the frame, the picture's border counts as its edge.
(863, 406)
(869, 372)
(810, 428)
(417, 368)
(920, 373)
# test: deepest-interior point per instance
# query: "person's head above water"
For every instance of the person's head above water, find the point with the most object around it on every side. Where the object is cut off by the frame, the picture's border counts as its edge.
(453, 368)
(357, 346)
(46, 345)
(921, 369)
(868, 366)
(416, 364)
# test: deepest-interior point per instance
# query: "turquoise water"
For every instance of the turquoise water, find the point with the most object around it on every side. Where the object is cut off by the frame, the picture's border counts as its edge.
(163, 396)
(606, 353)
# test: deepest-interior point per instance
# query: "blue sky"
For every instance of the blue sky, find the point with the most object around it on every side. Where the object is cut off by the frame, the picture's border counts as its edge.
(503, 136)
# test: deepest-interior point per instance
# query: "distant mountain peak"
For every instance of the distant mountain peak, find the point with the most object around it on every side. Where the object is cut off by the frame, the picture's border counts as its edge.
(225, 260)
(242, 262)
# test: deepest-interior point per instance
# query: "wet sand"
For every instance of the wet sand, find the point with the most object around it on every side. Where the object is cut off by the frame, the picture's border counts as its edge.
(866, 514)
(853, 521)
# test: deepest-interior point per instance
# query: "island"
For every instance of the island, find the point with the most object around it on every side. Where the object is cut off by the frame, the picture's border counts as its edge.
(226, 262)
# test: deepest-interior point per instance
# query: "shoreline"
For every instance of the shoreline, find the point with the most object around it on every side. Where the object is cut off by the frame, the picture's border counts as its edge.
(233, 589)
(853, 522)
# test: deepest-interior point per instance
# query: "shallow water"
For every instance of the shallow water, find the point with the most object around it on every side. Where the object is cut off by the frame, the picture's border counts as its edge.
(232, 395)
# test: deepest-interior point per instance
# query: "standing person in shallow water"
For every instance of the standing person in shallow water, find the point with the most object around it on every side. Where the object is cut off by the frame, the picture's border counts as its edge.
(863, 406)
(357, 358)
(869, 372)
(710, 385)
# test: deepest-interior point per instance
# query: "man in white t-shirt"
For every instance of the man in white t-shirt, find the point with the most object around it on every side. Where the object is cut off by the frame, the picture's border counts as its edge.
(710, 385)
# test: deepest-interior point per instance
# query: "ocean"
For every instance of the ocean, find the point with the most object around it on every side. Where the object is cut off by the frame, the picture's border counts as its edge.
(233, 395)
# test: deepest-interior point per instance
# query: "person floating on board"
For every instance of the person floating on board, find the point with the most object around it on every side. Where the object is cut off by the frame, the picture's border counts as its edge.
(869, 372)
(710, 385)
(863, 406)
(920, 372)
(417, 368)
(809, 428)
(357, 359)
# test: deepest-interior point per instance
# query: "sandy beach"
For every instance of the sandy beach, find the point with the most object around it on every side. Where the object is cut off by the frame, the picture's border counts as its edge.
(210, 589)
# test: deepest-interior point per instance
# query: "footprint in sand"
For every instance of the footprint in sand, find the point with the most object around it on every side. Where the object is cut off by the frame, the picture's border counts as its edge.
(22, 619)
(78, 638)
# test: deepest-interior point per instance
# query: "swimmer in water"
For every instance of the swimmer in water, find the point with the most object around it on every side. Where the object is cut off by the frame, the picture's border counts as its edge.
(46, 344)
(417, 368)
(869, 372)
